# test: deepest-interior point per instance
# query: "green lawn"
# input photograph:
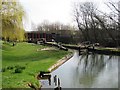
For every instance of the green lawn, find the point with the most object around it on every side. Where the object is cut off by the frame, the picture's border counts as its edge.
(26, 55)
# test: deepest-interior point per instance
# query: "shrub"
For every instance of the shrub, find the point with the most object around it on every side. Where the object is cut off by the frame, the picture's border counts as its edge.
(10, 67)
(18, 70)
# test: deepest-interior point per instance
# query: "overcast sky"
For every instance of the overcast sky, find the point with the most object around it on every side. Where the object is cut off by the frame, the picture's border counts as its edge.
(52, 10)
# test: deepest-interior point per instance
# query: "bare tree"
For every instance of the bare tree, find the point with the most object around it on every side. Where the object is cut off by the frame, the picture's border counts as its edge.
(83, 13)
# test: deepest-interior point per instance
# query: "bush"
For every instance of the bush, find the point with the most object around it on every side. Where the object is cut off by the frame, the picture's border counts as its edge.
(19, 69)
(10, 67)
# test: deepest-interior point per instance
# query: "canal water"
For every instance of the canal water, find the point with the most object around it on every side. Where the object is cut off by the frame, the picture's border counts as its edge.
(87, 71)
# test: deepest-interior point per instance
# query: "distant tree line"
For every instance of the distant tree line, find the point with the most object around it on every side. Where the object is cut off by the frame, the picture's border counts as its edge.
(61, 32)
(52, 27)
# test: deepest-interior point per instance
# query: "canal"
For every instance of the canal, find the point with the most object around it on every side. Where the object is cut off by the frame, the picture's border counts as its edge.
(87, 71)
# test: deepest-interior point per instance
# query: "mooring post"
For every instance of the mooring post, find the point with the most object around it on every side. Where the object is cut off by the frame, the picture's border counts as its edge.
(59, 88)
(49, 78)
(55, 80)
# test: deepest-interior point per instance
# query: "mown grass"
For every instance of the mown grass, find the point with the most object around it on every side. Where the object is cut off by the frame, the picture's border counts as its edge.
(26, 55)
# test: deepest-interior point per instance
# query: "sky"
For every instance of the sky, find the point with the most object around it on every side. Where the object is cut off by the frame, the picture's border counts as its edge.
(38, 11)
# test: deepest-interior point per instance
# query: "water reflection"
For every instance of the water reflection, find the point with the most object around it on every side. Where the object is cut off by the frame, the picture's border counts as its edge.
(88, 71)
(90, 67)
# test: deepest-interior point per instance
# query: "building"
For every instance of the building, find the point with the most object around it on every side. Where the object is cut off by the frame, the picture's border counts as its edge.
(64, 36)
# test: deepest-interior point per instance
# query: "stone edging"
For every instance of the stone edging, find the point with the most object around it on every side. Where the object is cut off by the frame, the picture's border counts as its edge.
(60, 62)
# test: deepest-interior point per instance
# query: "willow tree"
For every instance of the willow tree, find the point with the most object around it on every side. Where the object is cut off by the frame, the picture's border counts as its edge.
(12, 16)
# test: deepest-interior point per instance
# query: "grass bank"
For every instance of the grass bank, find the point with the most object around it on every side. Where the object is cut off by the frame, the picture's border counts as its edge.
(21, 63)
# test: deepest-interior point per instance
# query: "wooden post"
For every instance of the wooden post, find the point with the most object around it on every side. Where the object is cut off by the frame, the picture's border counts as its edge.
(55, 80)
(49, 78)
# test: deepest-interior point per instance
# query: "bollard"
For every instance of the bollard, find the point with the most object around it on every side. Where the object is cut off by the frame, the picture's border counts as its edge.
(55, 80)
(49, 80)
